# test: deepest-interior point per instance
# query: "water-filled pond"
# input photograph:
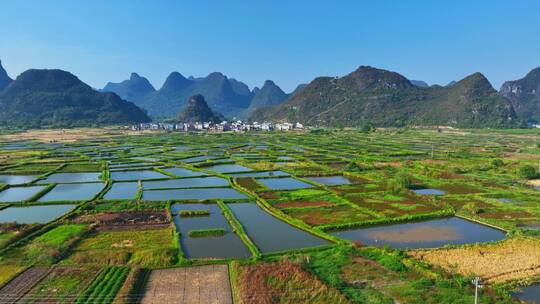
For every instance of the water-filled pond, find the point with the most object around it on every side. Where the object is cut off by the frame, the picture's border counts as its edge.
(17, 194)
(428, 191)
(72, 192)
(194, 182)
(228, 168)
(136, 175)
(286, 183)
(122, 191)
(270, 234)
(227, 246)
(196, 159)
(81, 177)
(530, 294)
(424, 234)
(181, 172)
(33, 214)
(330, 180)
(260, 174)
(16, 179)
(192, 194)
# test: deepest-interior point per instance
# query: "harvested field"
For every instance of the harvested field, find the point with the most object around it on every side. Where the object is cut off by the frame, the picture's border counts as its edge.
(193, 285)
(62, 285)
(126, 220)
(515, 259)
(22, 284)
(283, 282)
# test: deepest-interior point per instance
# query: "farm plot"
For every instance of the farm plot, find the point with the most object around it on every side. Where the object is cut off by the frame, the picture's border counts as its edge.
(516, 259)
(283, 282)
(22, 284)
(134, 220)
(193, 285)
(149, 248)
(104, 287)
(62, 285)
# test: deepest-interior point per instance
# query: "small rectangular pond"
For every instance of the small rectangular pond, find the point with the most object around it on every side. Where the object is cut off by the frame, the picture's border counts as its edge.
(33, 214)
(423, 234)
(121, 191)
(330, 180)
(136, 175)
(17, 194)
(72, 192)
(286, 183)
(227, 246)
(228, 168)
(181, 172)
(428, 191)
(192, 194)
(81, 177)
(270, 234)
(16, 179)
(196, 159)
(259, 174)
(193, 182)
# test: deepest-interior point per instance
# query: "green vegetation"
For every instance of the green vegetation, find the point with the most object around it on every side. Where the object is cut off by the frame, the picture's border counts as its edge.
(206, 232)
(486, 176)
(104, 287)
(188, 213)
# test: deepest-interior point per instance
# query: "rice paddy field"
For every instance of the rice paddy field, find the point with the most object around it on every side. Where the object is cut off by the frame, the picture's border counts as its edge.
(318, 216)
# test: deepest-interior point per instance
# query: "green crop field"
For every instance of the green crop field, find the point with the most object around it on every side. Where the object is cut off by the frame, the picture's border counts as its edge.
(345, 216)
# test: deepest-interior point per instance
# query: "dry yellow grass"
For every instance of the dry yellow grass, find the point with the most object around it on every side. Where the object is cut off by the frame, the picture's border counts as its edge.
(510, 260)
(7, 272)
(71, 135)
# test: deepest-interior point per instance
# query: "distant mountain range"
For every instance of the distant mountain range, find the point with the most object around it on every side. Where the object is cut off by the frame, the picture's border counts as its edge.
(226, 95)
(384, 98)
(55, 98)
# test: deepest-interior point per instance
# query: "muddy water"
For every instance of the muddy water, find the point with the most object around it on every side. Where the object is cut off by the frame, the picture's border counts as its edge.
(227, 246)
(330, 180)
(270, 234)
(425, 234)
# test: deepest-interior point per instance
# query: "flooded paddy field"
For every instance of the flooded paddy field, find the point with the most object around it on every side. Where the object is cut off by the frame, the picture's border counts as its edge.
(277, 212)
(425, 234)
(230, 245)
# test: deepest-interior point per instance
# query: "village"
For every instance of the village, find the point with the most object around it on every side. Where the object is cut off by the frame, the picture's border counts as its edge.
(235, 126)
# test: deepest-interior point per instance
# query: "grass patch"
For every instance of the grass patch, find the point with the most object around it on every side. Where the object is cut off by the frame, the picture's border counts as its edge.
(198, 233)
(190, 213)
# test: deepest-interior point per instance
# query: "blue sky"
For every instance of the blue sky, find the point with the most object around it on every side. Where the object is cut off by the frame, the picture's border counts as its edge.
(289, 42)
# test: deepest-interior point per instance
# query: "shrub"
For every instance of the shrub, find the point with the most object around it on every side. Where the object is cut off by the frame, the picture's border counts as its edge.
(497, 162)
(527, 172)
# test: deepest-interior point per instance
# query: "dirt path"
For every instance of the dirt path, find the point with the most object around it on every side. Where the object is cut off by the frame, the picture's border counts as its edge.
(189, 285)
(22, 284)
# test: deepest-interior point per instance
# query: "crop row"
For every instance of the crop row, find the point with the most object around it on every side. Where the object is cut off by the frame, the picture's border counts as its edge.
(104, 287)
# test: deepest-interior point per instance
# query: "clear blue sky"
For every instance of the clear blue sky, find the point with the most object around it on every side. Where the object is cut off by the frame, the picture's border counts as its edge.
(289, 42)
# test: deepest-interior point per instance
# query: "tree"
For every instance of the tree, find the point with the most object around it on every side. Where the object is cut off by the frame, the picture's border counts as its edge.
(497, 162)
(527, 172)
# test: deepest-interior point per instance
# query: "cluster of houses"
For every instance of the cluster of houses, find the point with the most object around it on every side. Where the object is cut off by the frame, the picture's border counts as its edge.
(236, 126)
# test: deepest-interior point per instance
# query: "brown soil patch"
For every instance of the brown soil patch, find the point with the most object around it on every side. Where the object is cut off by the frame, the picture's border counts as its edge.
(22, 284)
(284, 282)
(126, 220)
(189, 285)
(300, 204)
